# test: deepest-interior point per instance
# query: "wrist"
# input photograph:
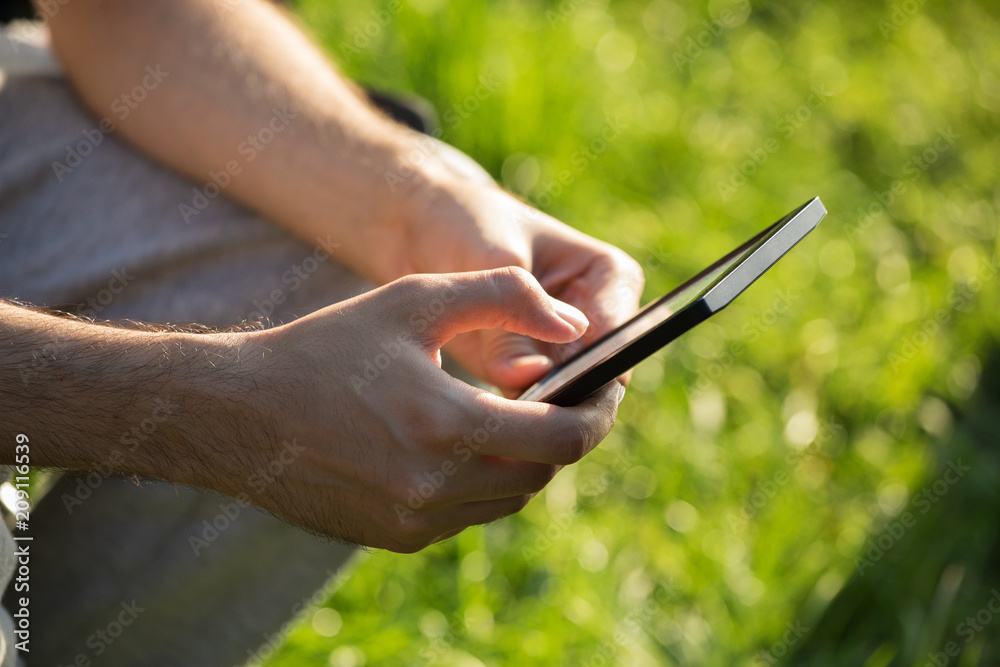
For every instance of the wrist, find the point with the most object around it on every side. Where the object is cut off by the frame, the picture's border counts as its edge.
(425, 190)
(366, 208)
(222, 419)
(168, 405)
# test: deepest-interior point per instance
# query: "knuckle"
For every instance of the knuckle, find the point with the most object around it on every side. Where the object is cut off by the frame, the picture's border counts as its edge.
(421, 426)
(401, 489)
(407, 489)
(410, 535)
(414, 288)
(514, 278)
(392, 305)
(399, 289)
(632, 277)
(633, 270)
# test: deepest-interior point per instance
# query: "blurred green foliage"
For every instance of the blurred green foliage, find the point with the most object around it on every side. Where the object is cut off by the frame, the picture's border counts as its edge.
(754, 458)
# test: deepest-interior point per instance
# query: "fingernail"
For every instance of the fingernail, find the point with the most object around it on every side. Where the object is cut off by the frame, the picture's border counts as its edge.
(517, 363)
(621, 393)
(570, 315)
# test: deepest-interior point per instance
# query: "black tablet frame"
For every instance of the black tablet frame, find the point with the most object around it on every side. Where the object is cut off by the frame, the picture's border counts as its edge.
(662, 321)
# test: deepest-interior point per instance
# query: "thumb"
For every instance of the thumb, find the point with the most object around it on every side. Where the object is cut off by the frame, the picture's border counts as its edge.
(508, 298)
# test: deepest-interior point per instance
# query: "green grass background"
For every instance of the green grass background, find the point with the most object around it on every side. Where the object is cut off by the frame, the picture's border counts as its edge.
(754, 458)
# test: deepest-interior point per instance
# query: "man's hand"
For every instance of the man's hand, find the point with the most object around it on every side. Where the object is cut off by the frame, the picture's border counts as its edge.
(467, 225)
(396, 453)
(341, 422)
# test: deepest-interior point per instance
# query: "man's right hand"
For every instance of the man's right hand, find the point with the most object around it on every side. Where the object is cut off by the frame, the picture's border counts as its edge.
(383, 448)
(341, 422)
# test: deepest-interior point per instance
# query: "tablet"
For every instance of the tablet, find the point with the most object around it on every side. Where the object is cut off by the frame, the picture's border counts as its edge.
(668, 317)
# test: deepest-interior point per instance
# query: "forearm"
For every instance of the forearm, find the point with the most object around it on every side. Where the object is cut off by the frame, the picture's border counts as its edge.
(242, 94)
(150, 403)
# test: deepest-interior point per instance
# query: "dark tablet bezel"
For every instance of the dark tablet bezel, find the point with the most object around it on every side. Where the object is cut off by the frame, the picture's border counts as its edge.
(743, 266)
